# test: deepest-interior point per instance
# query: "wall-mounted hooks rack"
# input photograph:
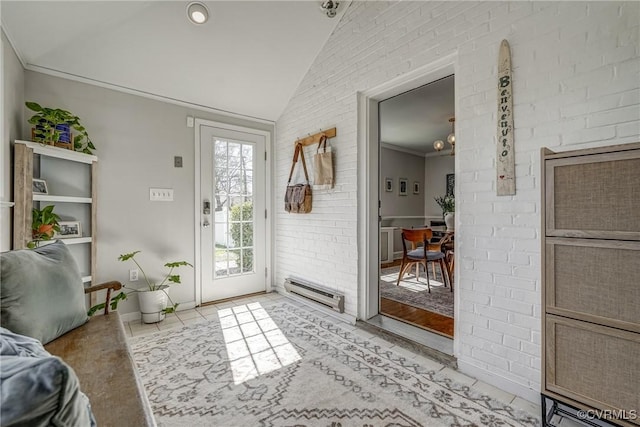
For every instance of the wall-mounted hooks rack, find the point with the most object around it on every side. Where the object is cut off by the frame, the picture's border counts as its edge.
(315, 138)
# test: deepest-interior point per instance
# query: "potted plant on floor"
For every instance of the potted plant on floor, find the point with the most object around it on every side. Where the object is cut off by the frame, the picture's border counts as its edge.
(44, 224)
(53, 126)
(153, 297)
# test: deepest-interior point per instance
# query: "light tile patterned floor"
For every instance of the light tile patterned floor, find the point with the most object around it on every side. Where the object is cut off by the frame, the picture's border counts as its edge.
(209, 312)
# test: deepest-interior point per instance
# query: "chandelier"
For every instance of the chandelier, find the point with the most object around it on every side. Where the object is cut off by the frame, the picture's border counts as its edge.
(451, 139)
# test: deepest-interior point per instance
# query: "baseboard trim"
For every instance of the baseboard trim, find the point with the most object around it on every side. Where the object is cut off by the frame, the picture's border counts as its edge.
(186, 306)
(344, 317)
(136, 315)
(500, 382)
(130, 317)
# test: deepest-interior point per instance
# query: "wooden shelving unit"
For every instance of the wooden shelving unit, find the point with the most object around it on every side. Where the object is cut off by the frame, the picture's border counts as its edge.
(591, 283)
(71, 181)
(61, 199)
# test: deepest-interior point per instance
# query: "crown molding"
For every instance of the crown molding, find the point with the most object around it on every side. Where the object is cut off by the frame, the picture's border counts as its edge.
(13, 45)
(401, 149)
(143, 94)
(442, 153)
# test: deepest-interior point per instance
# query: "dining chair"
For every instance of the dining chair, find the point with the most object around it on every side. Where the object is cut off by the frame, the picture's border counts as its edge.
(419, 255)
(449, 258)
(443, 245)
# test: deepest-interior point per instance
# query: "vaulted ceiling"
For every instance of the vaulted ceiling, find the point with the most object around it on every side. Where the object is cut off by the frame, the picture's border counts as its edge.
(248, 59)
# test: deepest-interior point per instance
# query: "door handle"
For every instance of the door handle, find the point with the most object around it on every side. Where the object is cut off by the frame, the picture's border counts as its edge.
(206, 224)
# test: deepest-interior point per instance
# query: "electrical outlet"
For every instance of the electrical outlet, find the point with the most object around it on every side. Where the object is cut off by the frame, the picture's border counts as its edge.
(161, 194)
(133, 275)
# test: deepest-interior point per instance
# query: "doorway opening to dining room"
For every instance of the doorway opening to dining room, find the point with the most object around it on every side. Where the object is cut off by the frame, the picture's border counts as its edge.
(417, 171)
(408, 175)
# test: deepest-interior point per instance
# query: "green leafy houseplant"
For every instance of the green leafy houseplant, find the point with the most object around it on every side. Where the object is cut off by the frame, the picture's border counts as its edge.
(43, 225)
(447, 203)
(47, 122)
(161, 285)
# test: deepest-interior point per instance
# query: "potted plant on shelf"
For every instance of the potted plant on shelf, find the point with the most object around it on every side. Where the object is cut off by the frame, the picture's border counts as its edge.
(44, 224)
(53, 125)
(448, 205)
(153, 297)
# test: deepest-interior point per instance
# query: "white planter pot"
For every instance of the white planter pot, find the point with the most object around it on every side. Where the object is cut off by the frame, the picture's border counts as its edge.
(450, 220)
(152, 304)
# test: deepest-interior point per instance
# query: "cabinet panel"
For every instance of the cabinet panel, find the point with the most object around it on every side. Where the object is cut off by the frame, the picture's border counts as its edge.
(594, 278)
(593, 364)
(591, 279)
(595, 196)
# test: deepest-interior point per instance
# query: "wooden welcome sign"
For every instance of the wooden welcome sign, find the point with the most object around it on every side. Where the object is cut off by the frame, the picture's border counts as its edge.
(506, 165)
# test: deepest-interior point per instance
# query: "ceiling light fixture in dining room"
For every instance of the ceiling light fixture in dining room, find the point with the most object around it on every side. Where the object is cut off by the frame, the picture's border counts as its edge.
(330, 7)
(451, 139)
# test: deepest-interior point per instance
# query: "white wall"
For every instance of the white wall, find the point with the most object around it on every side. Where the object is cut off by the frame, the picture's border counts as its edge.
(12, 118)
(395, 165)
(436, 169)
(136, 140)
(576, 71)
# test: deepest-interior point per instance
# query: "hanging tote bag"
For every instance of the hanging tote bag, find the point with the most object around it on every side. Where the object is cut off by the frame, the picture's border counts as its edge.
(323, 166)
(298, 197)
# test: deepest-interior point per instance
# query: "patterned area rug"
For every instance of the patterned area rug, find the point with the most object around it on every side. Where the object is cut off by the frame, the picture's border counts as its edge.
(278, 364)
(414, 293)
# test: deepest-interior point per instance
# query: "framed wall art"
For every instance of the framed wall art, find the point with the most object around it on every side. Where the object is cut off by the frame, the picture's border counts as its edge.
(388, 185)
(451, 183)
(403, 186)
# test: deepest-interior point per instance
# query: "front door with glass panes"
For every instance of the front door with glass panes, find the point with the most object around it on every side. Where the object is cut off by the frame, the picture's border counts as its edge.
(233, 224)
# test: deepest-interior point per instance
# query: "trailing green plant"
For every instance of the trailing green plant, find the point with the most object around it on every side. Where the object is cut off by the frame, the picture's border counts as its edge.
(113, 304)
(43, 225)
(168, 278)
(447, 203)
(242, 233)
(46, 121)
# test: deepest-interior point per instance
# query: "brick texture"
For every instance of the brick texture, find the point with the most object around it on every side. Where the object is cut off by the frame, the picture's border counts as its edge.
(576, 73)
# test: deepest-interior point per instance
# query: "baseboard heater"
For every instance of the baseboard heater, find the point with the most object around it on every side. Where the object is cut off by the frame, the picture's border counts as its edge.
(316, 293)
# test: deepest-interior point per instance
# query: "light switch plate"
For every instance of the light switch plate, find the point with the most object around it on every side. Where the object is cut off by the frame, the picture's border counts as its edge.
(161, 194)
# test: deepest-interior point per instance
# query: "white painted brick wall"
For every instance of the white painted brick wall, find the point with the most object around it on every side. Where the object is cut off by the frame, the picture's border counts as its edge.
(576, 74)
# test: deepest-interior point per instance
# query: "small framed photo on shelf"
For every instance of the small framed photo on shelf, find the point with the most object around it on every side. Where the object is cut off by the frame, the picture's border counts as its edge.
(388, 185)
(416, 187)
(403, 186)
(68, 229)
(40, 186)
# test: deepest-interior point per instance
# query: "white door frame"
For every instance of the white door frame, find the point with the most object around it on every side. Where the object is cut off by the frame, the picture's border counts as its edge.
(198, 202)
(368, 175)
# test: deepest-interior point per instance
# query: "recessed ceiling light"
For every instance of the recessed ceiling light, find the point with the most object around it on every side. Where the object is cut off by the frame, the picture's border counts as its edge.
(197, 12)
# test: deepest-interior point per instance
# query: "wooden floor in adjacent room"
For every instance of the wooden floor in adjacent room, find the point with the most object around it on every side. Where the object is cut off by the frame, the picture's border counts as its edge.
(418, 317)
